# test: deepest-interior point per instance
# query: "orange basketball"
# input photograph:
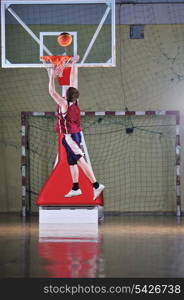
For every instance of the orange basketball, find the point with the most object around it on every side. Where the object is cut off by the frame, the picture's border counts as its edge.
(64, 39)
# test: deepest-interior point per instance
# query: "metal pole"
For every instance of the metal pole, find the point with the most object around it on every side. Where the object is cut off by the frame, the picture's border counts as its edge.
(3, 41)
(178, 167)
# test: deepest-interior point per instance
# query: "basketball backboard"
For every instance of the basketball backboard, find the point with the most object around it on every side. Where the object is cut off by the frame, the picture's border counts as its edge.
(29, 30)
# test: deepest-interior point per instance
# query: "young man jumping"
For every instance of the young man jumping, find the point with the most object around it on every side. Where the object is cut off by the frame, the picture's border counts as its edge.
(68, 122)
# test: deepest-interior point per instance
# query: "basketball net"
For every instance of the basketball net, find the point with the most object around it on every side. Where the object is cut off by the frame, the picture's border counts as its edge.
(58, 62)
(61, 65)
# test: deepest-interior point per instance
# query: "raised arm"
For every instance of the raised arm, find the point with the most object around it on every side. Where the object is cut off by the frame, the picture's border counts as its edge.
(52, 91)
(73, 70)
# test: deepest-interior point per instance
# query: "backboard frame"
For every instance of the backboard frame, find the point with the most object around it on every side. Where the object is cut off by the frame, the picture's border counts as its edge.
(110, 9)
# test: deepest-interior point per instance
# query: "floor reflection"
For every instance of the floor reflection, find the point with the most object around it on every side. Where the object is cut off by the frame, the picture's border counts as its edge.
(71, 250)
(123, 247)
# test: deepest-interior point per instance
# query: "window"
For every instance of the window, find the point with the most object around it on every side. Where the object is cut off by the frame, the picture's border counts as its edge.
(136, 31)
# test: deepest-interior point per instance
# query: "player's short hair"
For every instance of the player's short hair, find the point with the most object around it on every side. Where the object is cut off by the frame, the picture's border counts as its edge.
(72, 94)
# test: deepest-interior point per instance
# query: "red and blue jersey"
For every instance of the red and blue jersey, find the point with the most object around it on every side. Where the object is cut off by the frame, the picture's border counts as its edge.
(68, 122)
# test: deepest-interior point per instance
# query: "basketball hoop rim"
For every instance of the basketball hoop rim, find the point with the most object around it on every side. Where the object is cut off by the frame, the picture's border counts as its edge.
(56, 59)
(61, 62)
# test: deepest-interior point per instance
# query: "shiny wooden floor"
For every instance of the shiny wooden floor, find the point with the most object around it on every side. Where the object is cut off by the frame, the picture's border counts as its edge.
(123, 247)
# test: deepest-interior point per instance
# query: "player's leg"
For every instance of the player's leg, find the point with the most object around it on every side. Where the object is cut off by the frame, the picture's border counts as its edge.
(75, 191)
(75, 157)
(73, 151)
(86, 169)
(97, 187)
(74, 173)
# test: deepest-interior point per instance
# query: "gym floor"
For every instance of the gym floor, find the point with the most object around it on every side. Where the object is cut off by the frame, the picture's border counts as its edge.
(121, 247)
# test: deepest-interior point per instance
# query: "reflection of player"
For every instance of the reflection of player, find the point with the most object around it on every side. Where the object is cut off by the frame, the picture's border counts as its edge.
(69, 124)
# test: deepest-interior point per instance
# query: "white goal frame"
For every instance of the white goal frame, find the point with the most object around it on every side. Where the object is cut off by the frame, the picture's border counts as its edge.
(24, 153)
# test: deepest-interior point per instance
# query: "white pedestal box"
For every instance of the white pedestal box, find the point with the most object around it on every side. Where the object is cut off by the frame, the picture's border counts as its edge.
(61, 214)
(64, 233)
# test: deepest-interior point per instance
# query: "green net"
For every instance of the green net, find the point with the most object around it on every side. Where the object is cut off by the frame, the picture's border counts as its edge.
(137, 168)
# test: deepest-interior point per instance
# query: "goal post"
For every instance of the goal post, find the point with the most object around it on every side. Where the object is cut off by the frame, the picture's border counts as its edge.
(135, 153)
